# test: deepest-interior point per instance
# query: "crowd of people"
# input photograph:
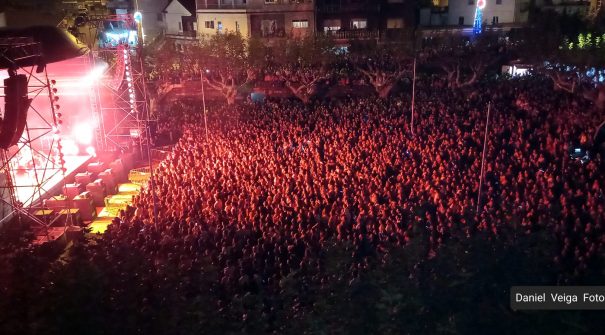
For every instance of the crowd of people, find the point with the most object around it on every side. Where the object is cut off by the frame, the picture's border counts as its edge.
(259, 199)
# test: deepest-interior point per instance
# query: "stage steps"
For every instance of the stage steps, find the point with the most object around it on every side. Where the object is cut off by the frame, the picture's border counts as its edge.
(113, 205)
(99, 225)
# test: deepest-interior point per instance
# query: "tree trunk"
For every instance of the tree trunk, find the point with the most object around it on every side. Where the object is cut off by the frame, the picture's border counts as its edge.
(385, 90)
(231, 95)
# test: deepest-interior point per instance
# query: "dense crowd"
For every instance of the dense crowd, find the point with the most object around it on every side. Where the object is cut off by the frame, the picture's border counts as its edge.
(274, 186)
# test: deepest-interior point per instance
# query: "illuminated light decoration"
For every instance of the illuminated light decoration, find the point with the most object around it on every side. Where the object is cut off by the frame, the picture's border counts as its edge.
(117, 36)
(477, 25)
(131, 92)
(138, 17)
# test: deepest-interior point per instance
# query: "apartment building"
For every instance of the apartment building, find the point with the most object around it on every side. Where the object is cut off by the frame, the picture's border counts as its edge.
(365, 19)
(270, 19)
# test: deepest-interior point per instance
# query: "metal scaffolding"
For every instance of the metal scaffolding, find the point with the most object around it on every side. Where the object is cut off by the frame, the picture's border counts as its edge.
(35, 164)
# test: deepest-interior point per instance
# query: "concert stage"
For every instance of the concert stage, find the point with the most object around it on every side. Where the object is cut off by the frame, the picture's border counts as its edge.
(26, 180)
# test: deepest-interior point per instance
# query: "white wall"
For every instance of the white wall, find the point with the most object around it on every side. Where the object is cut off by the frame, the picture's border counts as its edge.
(230, 19)
(504, 11)
(173, 16)
(150, 9)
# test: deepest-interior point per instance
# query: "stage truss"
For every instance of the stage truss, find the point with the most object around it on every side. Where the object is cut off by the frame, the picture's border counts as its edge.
(31, 168)
(120, 107)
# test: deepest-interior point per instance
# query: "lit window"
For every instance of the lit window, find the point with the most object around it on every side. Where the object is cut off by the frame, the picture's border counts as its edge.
(395, 23)
(359, 24)
(300, 24)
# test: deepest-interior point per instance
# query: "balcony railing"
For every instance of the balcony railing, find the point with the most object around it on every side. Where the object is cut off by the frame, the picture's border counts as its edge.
(228, 4)
(256, 5)
(353, 34)
(349, 7)
(183, 35)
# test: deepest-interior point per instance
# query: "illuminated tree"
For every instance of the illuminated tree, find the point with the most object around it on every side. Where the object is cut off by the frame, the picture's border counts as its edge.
(568, 50)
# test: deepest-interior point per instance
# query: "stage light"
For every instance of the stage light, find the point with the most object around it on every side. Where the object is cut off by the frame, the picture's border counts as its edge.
(95, 74)
(82, 132)
(70, 148)
(91, 151)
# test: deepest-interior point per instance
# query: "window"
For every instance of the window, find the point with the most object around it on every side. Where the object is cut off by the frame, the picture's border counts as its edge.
(219, 26)
(396, 23)
(236, 26)
(471, 2)
(209, 24)
(180, 26)
(332, 25)
(270, 1)
(461, 20)
(160, 17)
(359, 24)
(268, 28)
(494, 20)
(498, 2)
(300, 23)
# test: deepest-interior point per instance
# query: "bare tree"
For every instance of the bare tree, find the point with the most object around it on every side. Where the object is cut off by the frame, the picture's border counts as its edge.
(462, 73)
(384, 71)
(225, 64)
(304, 83)
(229, 83)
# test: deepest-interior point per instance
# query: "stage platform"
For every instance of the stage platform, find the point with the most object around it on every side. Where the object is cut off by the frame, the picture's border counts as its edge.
(26, 187)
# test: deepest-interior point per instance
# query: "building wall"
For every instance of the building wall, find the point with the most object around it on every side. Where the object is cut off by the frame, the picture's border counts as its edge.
(290, 17)
(231, 20)
(466, 8)
(151, 10)
(173, 17)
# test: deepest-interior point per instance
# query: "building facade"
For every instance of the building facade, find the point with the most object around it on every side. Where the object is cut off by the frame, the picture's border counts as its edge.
(179, 21)
(267, 19)
(461, 13)
(364, 19)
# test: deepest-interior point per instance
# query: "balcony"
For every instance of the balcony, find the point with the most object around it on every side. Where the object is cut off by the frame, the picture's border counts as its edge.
(257, 5)
(367, 7)
(360, 34)
(221, 4)
(119, 4)
(281, 5)
(183, 35)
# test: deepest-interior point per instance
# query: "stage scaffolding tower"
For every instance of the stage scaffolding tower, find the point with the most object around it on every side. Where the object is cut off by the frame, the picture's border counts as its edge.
(35, 164)
(119, 104)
